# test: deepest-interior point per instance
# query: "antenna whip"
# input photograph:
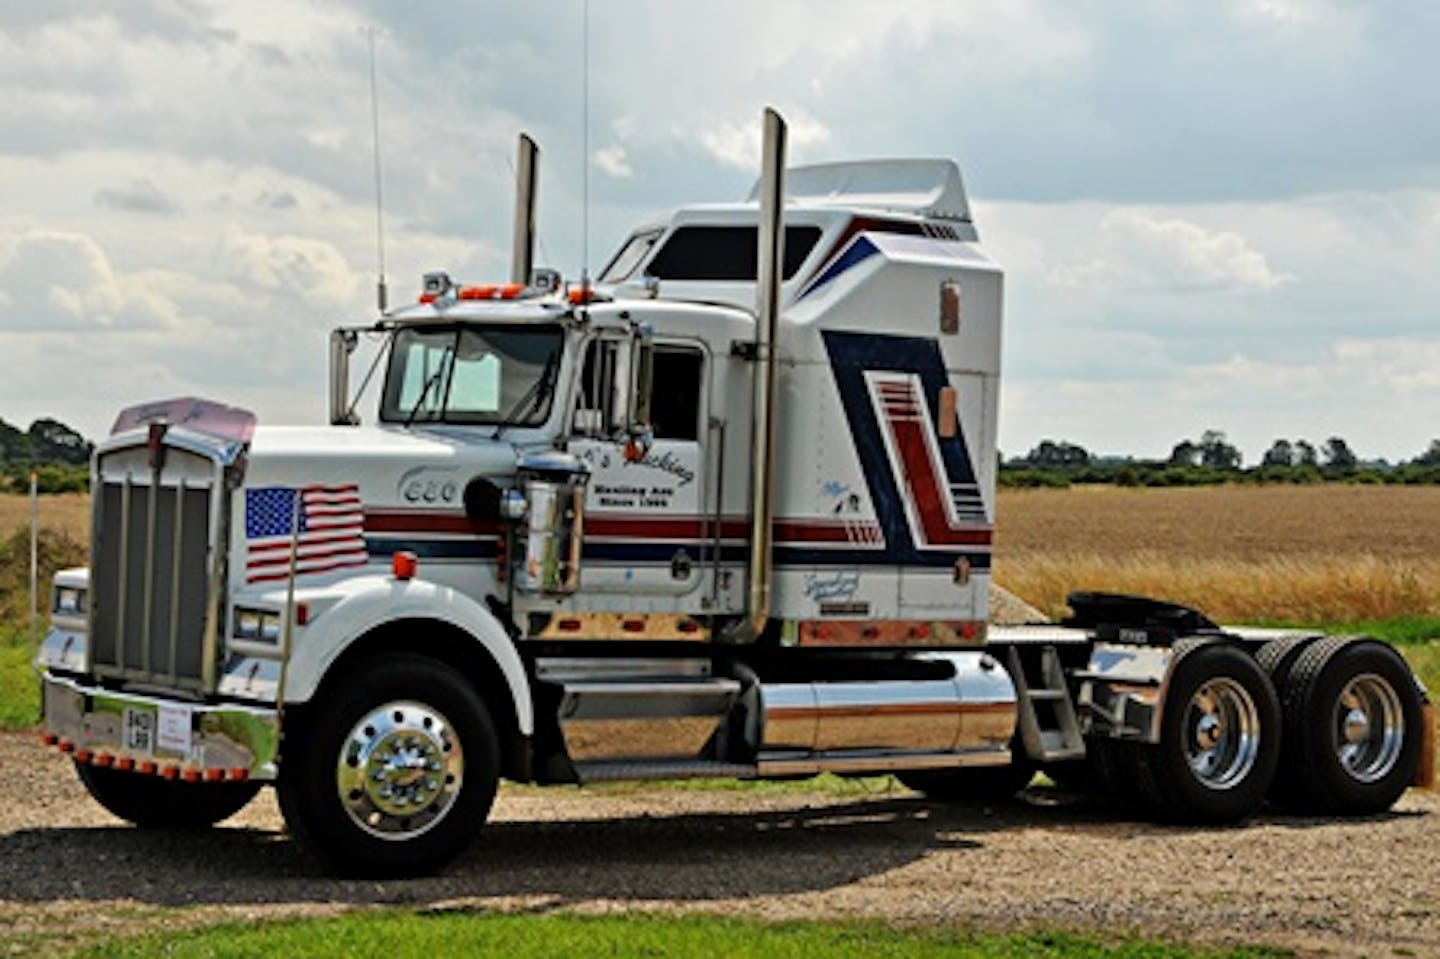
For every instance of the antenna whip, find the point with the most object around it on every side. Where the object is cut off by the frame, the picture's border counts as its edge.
(381, 296)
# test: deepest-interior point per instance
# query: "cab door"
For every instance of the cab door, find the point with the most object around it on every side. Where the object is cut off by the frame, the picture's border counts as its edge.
(646, 520)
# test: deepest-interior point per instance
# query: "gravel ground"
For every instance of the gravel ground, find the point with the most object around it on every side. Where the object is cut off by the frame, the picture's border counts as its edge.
(70, 873)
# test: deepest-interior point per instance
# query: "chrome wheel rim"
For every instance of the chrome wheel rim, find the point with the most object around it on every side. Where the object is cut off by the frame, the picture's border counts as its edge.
(399, 770)
(1369, 728)
(1222, 738)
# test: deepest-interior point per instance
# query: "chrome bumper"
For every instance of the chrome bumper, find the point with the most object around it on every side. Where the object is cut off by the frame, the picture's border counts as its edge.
(168, 738)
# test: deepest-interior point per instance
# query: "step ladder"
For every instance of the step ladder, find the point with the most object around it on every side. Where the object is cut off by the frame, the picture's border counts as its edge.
(1049, 727)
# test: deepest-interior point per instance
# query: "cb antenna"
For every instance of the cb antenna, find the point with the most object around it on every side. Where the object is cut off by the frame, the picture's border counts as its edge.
(585, 149)
(381, 294)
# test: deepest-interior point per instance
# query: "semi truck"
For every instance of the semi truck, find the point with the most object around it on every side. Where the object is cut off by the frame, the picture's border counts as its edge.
(727, 510)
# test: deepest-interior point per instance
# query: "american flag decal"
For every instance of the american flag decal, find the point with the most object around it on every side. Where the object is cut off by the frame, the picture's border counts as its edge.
(329, 533)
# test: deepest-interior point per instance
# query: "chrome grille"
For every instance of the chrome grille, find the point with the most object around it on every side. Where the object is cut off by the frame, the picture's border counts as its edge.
(151, 577)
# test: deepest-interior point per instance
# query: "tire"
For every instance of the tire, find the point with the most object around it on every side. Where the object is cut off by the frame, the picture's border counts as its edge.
(1277, 658)
(1219, 740)
(396, 772)
(972, 784)
(152, 803)
(1353, 728)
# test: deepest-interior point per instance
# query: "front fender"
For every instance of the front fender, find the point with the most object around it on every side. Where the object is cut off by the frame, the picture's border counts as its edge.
(373, 601)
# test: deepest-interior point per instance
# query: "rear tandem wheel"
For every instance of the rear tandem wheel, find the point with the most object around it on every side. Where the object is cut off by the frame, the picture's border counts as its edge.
(1219, 740)
(1353, 728)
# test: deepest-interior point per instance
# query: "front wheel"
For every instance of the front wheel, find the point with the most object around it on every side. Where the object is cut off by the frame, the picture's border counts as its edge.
(1353, 728)
(152, 803)
(397, 772)
(1219, 739)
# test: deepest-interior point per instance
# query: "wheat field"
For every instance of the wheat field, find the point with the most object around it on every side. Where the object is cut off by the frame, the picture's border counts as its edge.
(1315, 554)
(68, 513)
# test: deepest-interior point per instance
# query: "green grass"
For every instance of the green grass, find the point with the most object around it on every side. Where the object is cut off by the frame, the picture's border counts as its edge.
(1416, 637)
(19, 688)
(1402, 631)
(397, 934)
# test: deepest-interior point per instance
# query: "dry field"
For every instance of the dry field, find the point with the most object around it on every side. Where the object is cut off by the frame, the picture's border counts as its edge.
(1321, 554)
(68, 513)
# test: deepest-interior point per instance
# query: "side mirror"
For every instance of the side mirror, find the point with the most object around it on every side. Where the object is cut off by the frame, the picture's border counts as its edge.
(642, 366)
(342, 344)
(632, 385)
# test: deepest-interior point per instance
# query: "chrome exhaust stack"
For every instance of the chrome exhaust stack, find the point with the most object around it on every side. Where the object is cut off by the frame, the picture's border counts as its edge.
(522, 262)
(767, 321)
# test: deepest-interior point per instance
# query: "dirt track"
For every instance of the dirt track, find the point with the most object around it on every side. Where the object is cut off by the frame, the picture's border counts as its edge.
(69, 871)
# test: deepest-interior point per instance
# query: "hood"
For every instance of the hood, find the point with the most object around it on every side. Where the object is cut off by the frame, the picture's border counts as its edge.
(390, 466)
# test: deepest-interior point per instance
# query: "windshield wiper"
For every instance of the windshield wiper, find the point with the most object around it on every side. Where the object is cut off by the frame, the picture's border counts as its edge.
(424, 392)
(538, 392)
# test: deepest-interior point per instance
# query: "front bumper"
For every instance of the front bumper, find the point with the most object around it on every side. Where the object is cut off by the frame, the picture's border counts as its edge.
(163, 737)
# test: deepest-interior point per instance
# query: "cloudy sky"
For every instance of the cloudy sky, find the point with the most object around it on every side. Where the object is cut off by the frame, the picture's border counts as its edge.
(1213, 215)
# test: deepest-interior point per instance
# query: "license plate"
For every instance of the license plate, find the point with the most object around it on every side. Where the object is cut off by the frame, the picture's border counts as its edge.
(140, 731)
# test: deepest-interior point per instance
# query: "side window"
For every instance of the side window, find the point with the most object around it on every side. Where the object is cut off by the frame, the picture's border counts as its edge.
(675, 399)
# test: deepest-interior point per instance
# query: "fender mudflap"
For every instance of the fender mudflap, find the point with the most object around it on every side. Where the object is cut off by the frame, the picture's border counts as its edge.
(1108, 612)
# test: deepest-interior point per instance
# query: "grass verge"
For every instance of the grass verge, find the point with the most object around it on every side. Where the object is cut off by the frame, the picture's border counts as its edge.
(19, 689)
(399, 935)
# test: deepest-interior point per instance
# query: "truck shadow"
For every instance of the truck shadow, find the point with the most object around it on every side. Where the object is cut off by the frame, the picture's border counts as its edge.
(686, 857)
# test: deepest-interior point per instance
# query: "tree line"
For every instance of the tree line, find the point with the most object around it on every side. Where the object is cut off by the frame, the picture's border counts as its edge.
(58, 456)
(1214, 459)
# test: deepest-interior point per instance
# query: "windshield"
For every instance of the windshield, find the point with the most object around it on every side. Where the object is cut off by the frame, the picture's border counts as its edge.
(496, 374)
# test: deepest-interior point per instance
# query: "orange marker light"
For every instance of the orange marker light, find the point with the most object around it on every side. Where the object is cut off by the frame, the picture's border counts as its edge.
(404, 564)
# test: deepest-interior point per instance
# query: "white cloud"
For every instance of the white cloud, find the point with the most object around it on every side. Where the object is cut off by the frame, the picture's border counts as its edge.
(54, 279)
(1140, 250)
(296, 267)
(613, 162)
(736, 143)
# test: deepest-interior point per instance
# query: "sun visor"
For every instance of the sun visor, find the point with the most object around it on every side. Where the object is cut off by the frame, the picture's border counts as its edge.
(202, 416)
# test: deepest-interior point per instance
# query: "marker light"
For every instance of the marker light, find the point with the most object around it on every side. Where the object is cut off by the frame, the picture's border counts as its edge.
(404, 564)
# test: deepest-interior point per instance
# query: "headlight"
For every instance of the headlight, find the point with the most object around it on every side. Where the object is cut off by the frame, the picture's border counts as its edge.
(256, 625)
(69, 601)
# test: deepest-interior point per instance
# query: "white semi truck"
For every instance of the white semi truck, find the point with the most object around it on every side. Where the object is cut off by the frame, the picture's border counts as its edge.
(727, 511)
